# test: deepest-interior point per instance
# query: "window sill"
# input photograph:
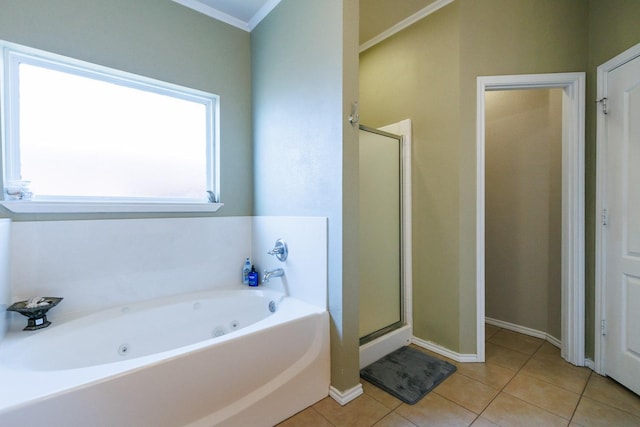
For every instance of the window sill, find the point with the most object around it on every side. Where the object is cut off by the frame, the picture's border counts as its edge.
(20, 206)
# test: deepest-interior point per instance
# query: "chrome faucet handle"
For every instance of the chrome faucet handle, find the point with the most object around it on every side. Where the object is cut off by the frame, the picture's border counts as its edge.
(280, 250)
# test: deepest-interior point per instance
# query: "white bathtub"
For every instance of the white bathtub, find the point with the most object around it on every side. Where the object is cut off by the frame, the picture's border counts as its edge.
(206, 359)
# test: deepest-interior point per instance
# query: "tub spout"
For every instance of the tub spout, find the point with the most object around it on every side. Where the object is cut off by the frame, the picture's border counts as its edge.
(268, 274)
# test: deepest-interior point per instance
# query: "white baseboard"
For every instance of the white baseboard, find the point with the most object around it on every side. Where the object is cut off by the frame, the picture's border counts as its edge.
(458, 357)
(590, 364)
(554, 341)
(380, 347)
(525, 331)
(344, 397)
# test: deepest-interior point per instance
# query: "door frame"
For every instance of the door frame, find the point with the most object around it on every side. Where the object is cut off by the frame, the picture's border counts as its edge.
(573, 214)
(601, 171)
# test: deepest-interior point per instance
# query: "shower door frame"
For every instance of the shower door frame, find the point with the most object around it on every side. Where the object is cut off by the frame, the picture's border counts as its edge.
(400, 333)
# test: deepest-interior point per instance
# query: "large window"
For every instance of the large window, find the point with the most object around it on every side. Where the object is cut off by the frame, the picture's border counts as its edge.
(80, 133)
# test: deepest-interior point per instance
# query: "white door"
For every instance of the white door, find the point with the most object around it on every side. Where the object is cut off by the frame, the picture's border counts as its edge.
(622, 231)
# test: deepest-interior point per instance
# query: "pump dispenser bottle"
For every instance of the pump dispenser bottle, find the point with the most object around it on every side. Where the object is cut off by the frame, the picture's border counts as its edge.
(246, 269)
(253, 277)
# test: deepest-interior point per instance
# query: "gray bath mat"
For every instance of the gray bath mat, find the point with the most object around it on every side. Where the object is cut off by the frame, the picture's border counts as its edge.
(407, 373)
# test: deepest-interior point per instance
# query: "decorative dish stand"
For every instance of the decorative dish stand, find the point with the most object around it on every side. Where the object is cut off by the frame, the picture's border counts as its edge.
(37, 315)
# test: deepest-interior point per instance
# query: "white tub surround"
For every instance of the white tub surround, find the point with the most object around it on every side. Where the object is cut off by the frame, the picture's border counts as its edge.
(257, 375)
(99, 264)
(105, 263)
(306, 264)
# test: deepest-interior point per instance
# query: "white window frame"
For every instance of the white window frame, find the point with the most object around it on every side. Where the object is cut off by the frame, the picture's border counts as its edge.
(14, 54)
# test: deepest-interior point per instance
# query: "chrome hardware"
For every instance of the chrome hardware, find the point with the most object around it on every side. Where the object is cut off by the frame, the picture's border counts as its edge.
(354, 117)
(605, 105)
(268, 274)
(280, 250)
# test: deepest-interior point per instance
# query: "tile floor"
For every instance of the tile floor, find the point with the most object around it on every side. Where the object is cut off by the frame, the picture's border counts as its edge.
(524, 382)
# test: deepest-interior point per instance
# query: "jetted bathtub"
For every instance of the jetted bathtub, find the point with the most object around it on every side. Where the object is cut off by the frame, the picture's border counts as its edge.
(232, 358)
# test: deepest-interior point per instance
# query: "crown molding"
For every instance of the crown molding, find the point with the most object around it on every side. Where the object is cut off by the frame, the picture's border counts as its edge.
(262, 13)
(423, 13)
(214, 13)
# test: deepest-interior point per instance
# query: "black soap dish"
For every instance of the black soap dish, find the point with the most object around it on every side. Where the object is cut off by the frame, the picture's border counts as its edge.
(37, 315)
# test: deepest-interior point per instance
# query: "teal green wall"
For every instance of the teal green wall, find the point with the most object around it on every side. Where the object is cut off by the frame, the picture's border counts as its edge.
(158, 39)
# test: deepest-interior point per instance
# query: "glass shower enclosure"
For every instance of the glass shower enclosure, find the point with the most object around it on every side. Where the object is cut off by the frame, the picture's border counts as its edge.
(381, 247)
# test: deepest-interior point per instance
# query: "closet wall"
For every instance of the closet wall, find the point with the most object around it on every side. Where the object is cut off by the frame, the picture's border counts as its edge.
(523, 208)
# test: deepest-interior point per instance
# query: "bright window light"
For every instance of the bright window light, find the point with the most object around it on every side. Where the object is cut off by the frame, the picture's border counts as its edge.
(80, 132)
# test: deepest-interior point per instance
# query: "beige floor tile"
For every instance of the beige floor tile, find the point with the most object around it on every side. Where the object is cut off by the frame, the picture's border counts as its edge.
(483, 422)
(380, 395)
(435, 410)
(607, 391)
(514, 341)
(551, 354)
(558, 372)
(506, 411)
(548, 350)
(307, 418)
(394, 420)
(466, 392)
(489, 331)
(492, 375)
(540, 393)
(363, 411)
(592, 413)
(540, 389)
(505, 357)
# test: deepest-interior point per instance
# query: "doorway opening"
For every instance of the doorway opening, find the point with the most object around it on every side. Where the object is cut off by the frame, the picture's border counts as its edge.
(523, 203)
(572, 86)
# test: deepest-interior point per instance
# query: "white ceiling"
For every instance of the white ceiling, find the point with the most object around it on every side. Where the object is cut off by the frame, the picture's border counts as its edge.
(244, 14)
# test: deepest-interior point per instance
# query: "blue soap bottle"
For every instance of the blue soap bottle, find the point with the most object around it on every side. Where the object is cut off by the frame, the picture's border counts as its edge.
(253, 277)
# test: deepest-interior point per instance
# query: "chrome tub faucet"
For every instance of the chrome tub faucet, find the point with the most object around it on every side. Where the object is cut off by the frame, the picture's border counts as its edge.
(268, 274)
